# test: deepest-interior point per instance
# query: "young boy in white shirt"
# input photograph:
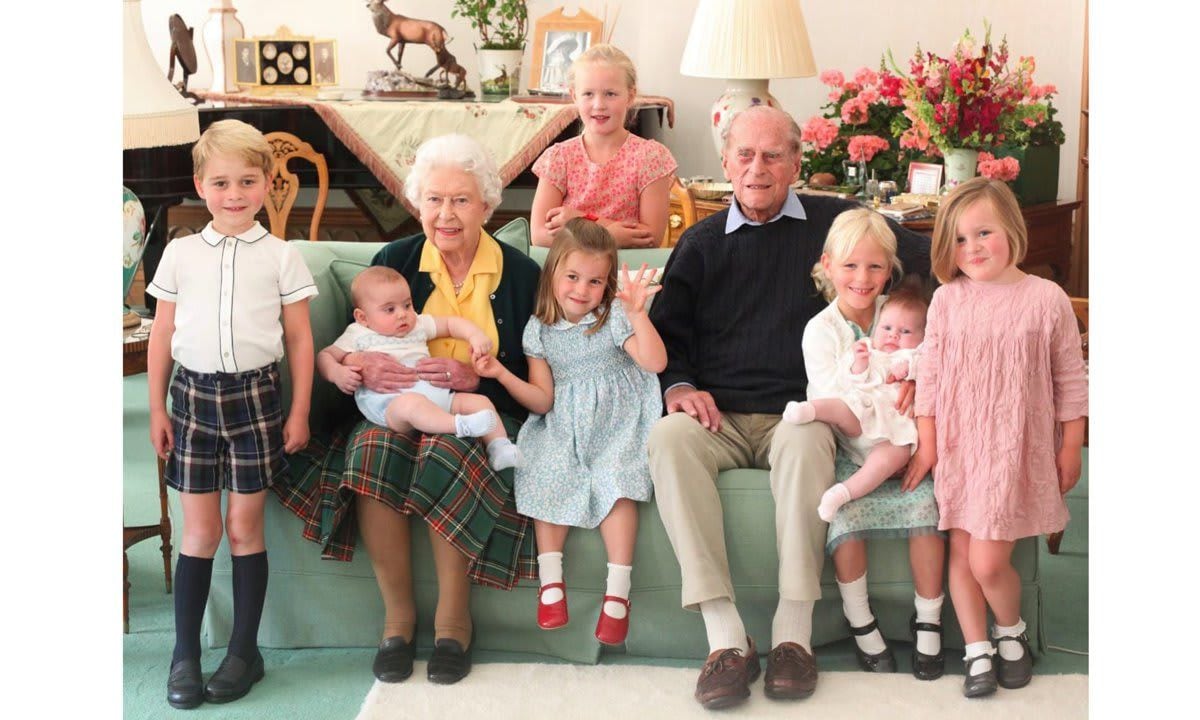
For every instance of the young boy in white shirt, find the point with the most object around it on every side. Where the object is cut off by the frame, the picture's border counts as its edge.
(230, 299)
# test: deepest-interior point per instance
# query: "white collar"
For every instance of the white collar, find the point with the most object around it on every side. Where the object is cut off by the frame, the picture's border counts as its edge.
(255, 233)
(565, 324)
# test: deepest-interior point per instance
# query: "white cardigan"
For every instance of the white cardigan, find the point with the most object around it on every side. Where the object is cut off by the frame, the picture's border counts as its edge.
(827, 340)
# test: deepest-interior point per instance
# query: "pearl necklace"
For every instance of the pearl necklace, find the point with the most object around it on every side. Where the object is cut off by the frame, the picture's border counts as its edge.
(458, 286)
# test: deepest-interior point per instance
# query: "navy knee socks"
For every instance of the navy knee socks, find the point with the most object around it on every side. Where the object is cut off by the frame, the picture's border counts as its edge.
(192, 578)
(249, 593)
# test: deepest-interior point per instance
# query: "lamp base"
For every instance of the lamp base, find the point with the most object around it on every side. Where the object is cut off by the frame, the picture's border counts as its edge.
(738, 95)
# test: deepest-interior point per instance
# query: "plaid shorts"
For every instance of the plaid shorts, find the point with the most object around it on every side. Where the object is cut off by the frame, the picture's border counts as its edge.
(228, 431)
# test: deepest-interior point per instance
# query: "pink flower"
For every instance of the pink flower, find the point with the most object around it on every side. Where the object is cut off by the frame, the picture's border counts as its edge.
(866, 76)
(916, 137)
(833, 78)
(1004, 169)
(819, 131)
(854, 111)
(870, 95)
(863, 147)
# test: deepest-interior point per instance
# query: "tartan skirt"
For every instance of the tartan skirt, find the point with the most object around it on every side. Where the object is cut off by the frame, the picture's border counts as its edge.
(444, 480)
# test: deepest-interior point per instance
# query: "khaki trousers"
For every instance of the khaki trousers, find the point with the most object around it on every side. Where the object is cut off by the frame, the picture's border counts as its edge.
(684, 461)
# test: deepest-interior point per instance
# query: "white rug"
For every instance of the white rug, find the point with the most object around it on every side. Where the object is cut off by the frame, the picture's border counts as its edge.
(497, 691)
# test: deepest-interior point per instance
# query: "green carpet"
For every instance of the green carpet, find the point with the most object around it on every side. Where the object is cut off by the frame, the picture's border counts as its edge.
(331, 683)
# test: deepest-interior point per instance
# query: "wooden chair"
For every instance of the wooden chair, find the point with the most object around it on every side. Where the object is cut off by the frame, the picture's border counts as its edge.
(1080, 306)
(685, 217)
(283, 185)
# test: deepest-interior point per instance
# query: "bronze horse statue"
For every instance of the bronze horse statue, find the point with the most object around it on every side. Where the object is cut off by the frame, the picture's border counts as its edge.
(403, 30)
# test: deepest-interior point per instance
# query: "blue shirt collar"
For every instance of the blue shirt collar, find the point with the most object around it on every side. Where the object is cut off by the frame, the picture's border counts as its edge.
(791, 207)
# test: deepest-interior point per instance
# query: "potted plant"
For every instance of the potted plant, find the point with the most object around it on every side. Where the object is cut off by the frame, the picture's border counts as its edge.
(502, 26)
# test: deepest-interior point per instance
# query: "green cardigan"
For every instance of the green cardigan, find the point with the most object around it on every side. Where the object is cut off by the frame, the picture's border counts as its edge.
(512, 306)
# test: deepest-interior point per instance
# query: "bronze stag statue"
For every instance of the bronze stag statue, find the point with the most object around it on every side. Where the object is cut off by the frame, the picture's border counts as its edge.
(402, 30)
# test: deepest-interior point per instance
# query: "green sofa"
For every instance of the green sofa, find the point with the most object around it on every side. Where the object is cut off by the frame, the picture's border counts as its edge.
(322, 603)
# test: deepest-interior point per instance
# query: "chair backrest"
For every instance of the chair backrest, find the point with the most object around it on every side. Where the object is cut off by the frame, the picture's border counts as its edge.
(685, 218)
(283, 185)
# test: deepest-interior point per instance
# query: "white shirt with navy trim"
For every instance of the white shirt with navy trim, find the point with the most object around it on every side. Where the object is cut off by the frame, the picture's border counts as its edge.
(228, 293)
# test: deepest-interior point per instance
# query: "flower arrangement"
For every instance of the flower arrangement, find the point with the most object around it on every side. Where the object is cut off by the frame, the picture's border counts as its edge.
(1006, 168)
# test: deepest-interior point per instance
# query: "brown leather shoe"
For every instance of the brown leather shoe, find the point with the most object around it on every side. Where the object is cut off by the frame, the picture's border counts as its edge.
(791, 672)
(726, 677)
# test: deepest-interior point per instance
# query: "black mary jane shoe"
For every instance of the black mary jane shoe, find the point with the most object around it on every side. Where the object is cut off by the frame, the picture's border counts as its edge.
(880, 662)
(979, 684)
(233, 678)
(394, 659)
(185, 685)
(449, 662)
(1013, 674)
(926, 667)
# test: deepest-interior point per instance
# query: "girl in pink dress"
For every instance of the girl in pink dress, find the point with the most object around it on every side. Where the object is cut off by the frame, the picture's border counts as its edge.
(606, 174)
(1001, 403)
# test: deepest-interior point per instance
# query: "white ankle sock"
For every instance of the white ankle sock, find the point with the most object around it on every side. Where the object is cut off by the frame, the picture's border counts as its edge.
(834, 498)
(723, 625)
(550, 571)
(1010, 649)
(929, 611)
(857, 609)
(793, 623)
(982, 647)
(618, 586)
(503, 453)
(476, 424)
(799, 413)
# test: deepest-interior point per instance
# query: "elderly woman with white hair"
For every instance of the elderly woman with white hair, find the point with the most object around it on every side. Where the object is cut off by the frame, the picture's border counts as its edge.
(383, 479)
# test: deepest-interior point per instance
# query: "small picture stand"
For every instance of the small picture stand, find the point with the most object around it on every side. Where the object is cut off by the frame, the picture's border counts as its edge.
(284, 63)
(557, 40)
(924, 178)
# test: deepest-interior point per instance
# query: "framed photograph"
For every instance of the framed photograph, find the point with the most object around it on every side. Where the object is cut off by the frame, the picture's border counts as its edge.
(284, 63)
(924, 178)
(246, 54)
(325, 62)
(557, 40)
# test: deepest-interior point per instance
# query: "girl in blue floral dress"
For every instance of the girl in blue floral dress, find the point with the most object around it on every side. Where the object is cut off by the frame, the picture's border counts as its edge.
(593, 395)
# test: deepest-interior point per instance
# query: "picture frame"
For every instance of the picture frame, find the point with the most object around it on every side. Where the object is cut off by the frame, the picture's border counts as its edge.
(924, 178)
(325, 67)
(557, 40)
(284, 63)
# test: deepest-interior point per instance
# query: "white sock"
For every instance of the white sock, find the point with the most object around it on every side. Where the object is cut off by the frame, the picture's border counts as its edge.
(799, 413)
(793, 623)
(1010, 649)
(618, 586)
(929, 611)
(503, 453)
(982, 647)
(858, 611)
(834, 498)
(550, 571)
(723, 625)
(476, 424)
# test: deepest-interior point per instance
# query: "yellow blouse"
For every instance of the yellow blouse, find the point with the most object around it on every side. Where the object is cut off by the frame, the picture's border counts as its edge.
(473, 302)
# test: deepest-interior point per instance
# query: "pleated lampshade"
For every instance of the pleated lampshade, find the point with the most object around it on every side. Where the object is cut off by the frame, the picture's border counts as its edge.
(155, 114)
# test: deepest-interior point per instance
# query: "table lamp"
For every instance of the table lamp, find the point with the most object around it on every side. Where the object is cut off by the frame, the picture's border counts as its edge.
(159, 127)
(746, 42)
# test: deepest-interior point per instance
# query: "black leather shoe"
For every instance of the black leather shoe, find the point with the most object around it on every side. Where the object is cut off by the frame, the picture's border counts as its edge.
(394, 660)
(1013, 674)
(185, 685)
(926, 667)
(449, 662)
(233, 678)
(881, 662)
(979, 684)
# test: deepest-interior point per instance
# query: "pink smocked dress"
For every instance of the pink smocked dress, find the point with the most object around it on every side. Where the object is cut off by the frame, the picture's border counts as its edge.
(609, 190)
(1001, 364)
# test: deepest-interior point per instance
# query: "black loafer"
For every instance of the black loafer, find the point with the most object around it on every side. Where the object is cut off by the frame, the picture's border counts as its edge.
(880, 662)
(1013, 674)
(233, 678)
(979, 684)
(185, 685)
(926, 667)
(394, 660)
(449, 662)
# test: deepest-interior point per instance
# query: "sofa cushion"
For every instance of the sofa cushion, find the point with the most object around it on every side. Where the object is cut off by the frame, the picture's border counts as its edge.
(515, 233)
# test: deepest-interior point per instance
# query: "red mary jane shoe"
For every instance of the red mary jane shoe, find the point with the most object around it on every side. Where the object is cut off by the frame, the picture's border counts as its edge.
(553, 615)
(610, 630)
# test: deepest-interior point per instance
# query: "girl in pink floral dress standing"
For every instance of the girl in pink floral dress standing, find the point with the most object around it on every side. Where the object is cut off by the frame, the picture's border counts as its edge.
(1001, 403)
(606, 174)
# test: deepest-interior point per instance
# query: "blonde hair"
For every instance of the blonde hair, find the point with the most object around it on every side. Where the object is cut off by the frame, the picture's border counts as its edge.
(847, 230)
(232, 137)
(945, 226)
(578, 235)
(373, 276)
(609, 55)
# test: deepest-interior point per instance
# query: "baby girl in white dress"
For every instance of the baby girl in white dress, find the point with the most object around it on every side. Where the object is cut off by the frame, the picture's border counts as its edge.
(868, 427)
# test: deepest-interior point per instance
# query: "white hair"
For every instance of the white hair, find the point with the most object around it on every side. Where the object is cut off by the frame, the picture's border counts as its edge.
(459, 152)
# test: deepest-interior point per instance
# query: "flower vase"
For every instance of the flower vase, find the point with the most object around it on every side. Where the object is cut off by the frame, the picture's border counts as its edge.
(960, 165)
(499, 73)
(133, 244)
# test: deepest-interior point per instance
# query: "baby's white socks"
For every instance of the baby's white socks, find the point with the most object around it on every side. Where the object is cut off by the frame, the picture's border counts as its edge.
(799, 413)
(857, 608)
(550, 571)
(503, 453)
(723, 625)
(477, 424)
(834, 498)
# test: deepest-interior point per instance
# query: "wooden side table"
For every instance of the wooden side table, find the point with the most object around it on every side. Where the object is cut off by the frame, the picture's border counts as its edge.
(135, 344)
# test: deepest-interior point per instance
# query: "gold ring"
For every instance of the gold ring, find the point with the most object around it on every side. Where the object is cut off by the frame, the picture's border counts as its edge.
(447, 376)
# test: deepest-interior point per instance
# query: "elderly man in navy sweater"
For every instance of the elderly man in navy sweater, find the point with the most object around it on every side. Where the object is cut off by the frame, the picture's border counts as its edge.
(737, 293)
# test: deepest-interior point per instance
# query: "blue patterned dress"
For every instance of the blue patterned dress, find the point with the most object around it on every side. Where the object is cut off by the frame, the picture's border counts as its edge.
(590, 449)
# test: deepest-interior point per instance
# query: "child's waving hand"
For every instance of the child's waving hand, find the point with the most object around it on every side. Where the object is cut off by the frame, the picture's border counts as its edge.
(637, 291)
